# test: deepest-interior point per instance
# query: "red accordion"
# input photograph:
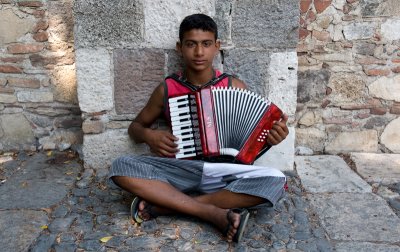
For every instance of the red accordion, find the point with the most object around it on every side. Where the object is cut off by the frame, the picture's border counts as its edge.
(222, 121)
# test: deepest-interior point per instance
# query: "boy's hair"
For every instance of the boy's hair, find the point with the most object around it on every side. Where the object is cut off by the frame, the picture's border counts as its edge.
(198, 21)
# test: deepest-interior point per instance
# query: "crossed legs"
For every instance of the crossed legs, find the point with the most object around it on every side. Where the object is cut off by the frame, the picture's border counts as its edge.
(212, 208)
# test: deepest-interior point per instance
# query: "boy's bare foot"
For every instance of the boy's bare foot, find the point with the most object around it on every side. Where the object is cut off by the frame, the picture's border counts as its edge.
(232, 223)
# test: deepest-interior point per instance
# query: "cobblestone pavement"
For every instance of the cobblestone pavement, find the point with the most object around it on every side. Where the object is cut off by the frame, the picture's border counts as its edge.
(48, 202)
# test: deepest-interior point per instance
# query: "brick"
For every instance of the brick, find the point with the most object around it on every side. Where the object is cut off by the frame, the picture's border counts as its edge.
(396, 60)
(41, 36)
(377, 72)
(67, 123)
(10, 69)
(371, 103)
(48, 61)
(395, 109)
(396, 69)
(30, 4)
(39, 13)
(305, 5)
(12, 59)
(325, 103)
(303, 33)
(378, 111)
(321, 35)
(321, 5)
(41, 25)
(25, 83)
(25, 48)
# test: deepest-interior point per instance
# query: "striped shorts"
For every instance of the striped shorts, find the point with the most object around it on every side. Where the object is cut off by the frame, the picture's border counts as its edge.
(190, 176)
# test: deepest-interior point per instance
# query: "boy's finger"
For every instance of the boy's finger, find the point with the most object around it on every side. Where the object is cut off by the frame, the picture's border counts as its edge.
(285, 118)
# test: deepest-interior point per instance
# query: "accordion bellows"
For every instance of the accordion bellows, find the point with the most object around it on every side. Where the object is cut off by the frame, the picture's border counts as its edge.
(222, 121)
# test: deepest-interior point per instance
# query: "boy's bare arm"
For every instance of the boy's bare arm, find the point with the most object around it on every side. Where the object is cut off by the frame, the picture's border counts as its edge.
(161, 142)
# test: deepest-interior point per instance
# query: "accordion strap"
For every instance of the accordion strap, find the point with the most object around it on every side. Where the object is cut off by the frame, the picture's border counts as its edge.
(184, 82)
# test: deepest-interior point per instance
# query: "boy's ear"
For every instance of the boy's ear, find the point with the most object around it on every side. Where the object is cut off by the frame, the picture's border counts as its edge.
(218, 44)
(179, 47)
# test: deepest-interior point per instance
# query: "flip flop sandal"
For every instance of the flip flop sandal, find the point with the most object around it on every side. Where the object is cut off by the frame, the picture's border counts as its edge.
(135, 210)
(244, 217)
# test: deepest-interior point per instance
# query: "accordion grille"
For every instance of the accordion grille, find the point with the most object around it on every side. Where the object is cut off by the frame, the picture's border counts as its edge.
(237, 113)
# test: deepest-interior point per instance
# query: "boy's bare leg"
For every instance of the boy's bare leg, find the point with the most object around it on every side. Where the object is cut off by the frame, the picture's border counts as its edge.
(164, 195)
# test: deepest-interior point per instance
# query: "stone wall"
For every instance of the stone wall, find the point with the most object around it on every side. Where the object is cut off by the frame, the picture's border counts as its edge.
(349, 76)
(124, 49)
(38, 96)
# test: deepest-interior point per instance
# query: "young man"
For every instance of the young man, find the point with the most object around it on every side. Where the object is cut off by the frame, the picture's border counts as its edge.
(161, 183)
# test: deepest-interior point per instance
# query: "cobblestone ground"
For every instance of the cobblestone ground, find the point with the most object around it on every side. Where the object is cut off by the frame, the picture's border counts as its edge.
(93, 211)
(88, 214)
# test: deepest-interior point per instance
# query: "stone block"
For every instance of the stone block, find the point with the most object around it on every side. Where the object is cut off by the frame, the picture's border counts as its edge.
(99, 153)
(379, 8)
(355, 31)
(35, 96)
(170, 14)
(282, 86)
(8, 98)
(345, 142)
(64, 84)
(364, 246)
(377, 168)
(223, 18)
(16, 131)
(93, 72)
(280, 156)
(311, 137)
(343, 213)
(95, 23)
(390, 29)
(271, 24)
(136, 74)
(93, 126)
(174, 62)
(250, 66)
(346, 88)
(63, 138)
(376, 122)
(329, 174)
(390, 137)
(386, 88)
(25, 229)
(21, 24)
(312, 85)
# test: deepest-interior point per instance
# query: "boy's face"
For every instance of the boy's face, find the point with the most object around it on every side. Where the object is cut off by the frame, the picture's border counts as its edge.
(198, 49)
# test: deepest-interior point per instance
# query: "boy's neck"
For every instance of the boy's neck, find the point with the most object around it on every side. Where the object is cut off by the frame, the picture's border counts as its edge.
(199, 78)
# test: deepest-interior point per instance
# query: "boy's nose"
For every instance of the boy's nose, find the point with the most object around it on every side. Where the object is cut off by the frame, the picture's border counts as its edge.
(199, 50)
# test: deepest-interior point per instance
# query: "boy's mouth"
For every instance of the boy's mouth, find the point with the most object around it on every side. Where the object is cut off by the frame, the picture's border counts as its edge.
(199, 62)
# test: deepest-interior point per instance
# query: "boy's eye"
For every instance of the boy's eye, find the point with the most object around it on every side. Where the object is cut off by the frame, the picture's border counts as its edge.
(207, 43)
(190, 44)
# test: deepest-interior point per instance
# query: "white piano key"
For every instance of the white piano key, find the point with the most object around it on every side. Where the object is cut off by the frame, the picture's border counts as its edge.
(175, 99)
(182, 125)
(181, 132)
(179, 111)
(178, 104)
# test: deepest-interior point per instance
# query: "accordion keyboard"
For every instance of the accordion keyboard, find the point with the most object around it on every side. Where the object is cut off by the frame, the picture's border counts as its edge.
(184, 124)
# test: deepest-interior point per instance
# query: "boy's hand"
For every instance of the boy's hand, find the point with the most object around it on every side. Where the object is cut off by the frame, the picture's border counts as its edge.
(278, 132)
(162, 143)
